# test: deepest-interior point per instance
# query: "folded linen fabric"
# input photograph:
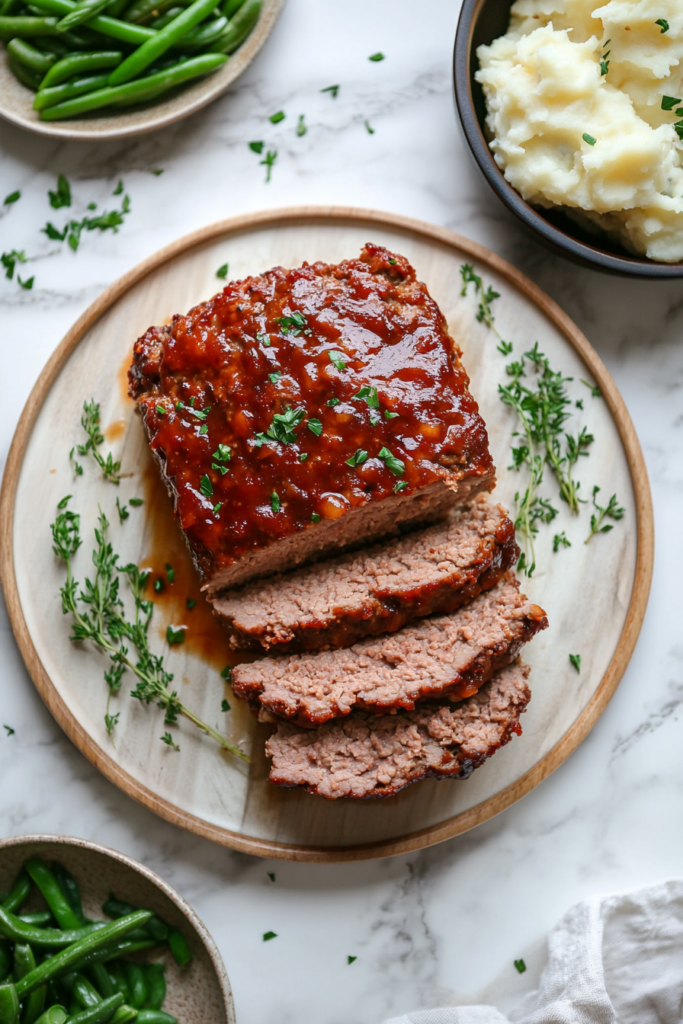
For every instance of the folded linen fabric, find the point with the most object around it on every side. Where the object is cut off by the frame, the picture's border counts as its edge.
(611, 960)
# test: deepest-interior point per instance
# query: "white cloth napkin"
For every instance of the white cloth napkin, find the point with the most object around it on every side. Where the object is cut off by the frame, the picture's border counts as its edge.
(611, 960)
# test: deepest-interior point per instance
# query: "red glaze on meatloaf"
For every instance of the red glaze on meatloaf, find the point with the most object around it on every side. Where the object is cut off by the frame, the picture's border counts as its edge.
(435, 569)
(367, 756)
(305, 411)
(444, 655)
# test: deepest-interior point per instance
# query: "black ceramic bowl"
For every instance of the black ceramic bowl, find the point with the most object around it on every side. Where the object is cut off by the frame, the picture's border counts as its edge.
(482, 21)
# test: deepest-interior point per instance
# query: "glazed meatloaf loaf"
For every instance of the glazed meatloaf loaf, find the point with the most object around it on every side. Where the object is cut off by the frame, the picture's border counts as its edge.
(305, 411)
(369, 756)
(445, 655)
(375, 590)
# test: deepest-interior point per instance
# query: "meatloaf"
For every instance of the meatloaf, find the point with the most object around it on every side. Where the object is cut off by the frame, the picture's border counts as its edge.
(376, 590)
(369, 756)
(305, 411)
(444, 655)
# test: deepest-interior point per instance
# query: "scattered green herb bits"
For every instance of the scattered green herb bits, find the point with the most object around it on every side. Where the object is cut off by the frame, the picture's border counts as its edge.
(62, 49)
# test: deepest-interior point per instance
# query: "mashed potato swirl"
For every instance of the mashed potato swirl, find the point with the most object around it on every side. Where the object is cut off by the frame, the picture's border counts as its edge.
(574, 93)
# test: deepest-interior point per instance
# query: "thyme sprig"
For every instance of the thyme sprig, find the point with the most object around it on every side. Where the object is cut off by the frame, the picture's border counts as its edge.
(98, 615)
(612, 510)
(90, 421)
(487, 296)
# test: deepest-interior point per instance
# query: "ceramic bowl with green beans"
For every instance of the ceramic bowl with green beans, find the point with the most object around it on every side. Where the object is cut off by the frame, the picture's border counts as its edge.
(110, 68)
(89, 936)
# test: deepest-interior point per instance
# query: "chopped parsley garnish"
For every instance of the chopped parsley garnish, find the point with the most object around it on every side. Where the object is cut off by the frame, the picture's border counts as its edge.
(315, 426)
(225, 706)
(604, 66)
(392, 261)
(119, 189)
(669, 102)
(520, 966)
(268, 162)
(274, 377)
(205, 486)
(264, 339)
(358, 458)
(275, 502)
(277, 117)
(370, 395)
(303, 456)
(53, 233)
(271, 876)
(576, 661)
(293, 323)
(267, 936)
(315, 518)
(13, 197)
(589, 139)
(217, 507)
(221, 469)
(369, 129)
(170, 572)
(159, 586)
(593, 388)
(156, 171)
(226, 673)
(334, 89)
(256, 147)
(375, 418)
(9, 261)
(400, 485)
(62, 196)
(161, 410)
(678, 127)
(190, 603)
(338, 359)
(301, 128)
(560, 540)
(10, 730)
(611, 511)
(334, 401)
(390, 415)
(663, 24)
(122, 511)
(222, 453)
(92, 206)
(168, 740)
(350, 959)
(282, 427)
(27, 284)
(204, 429)
(222, 272)
(135, 502)
(397, 466)
(376, 57)
(175, 636)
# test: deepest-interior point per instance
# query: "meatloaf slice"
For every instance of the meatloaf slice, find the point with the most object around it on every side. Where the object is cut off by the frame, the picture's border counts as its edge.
(376, 590)
(447, 654)
(304, 412)
(369, 756)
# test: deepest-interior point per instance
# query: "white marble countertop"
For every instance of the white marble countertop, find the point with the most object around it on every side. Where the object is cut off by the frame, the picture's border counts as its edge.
(431, 927)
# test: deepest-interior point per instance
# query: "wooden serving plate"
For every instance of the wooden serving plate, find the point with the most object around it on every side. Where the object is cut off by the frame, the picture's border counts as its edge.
(595, 595)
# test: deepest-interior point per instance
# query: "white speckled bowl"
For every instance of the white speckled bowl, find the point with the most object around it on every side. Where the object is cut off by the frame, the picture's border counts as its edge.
(16, 101)
(197, 994)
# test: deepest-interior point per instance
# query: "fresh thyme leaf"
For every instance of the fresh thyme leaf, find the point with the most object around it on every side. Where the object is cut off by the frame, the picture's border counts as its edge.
(486, 297)
(226, 673)
(576, 661)
(589, 139)
(397, 466)
(267, 936)
(358, 458)
(90, 421)
(64, 502)
(222, 271)
(77, 468)
(560, 540)
(122, 511)
(301, 128)
(225, 706)
(26, 285)
(13, 197)
(277, 117)
(53, 233)
(376, 57)
(663, 24)
(334, 401)
(175, 636)
(274, 377)
(669, 102)
(315, 427)
(111, 721)
(271, 876)
(168, 740)
(275, 502)
(10, 730)
(205, 486)
(334, 89)
(520, 966)
(611, 511)
(315, 518)
(264, 339)
(256, 147)
(579, 403)
(190, 603)
(369, 129)
(293, 323)
(159, 586)
(119, 189)
(303, 456)
(593, 388)
(400, 485)
(135, 502)
(351, 959)
(369, 395)
(338, 359)
(170, 572)
(268, 162)
(62, 196)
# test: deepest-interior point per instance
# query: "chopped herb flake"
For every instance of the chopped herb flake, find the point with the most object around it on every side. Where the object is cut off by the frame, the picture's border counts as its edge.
(275, 502)
(358, 458)
(222, 453)
(576, 661)
(369, 129)
(334, 401)
(268, 162)
(217, 507)
(190, 603)
(663, 24)
(390, 415)
(303, 456)
(334, 89)
(161, 410)
(277, 117)
(222, 272)
(175, 636)
(282, 427)
(9, 261)
(397, 466)
(267, 936)
(119, 189)
(589, 139)
(225, 705)
(376, 57)
(13, 197)
(159, 585)
(315, 518)
(62, 196)
(274, 377)
(226, 673)
(10, 730)
(315, 427)
(53, 233)
(135, 502)
(256, 147)
(520, 966)
(27, 285)
(156, 171)
(338, 359)
(204, 429)
(301, 128)
(293, 323)
(264, 339)
(350, 959)
(170, 572)
(400, 485)
(205, 486)
(271, 876)
(168, 740)
(370, 395)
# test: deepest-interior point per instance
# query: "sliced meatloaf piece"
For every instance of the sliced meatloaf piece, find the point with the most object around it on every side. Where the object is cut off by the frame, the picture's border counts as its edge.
(446, 654)
(376, 590)
(304, 412)
(365, 755)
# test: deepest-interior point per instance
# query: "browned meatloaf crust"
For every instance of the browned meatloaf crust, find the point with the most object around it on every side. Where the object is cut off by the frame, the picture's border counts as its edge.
(376, 590)
(447, 654)
(369, 756)
(306, 411)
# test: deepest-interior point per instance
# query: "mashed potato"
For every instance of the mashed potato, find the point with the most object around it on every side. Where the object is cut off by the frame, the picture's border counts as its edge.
(574, 95)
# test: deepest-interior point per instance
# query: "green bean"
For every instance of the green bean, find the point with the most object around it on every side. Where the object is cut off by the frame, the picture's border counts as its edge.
(53, 895)
(52, 44)
(112, 952)
(142, 10)
(119, 979)
(19, 892)
(155, 1017)
(69, 886)
(50, 97)
(28, 78)
(25, 961)
(238, 28)
(155, 927)
(9, 1004)
(137, 984)
(31, 57)
(9, 7)
(55, 1015)
(5, 960)
(82, 990)
(179, 947)
(116, 7)
(70, 67)
(124, 1014)
(127, 33)
(100, 1013)
(78, 951)
(56, 994)
(85, 10)
(100, 977)
(203, 35)
(165, 18)
(230, 7)
(25, 27)
(40, 918)
(146, 54)
(51, 938)
(156, 986)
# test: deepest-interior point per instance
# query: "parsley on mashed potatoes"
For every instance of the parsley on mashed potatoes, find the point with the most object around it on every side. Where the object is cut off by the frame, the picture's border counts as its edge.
(579, 99)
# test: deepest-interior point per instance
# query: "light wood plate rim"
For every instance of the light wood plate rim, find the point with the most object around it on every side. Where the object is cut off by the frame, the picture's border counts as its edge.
(461, 822)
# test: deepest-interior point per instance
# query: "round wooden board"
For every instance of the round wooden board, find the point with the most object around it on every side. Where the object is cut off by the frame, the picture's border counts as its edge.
(595, 594)
(16, 101)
